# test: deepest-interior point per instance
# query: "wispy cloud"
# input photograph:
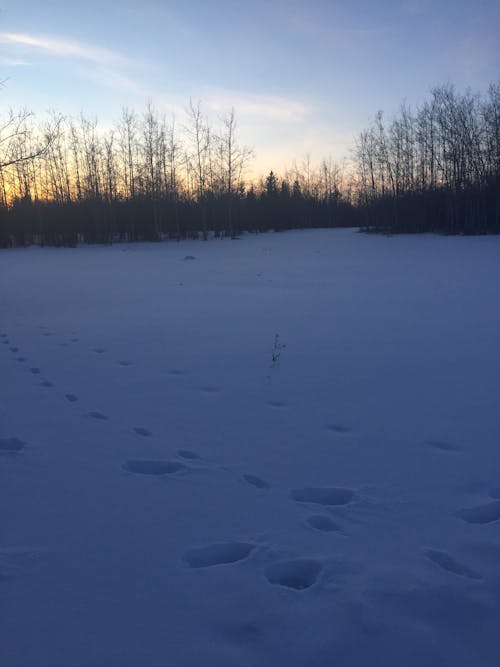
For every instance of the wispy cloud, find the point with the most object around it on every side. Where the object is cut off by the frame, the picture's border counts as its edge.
(266, 107)
(13, 62)
(64, 48)
(103, 66)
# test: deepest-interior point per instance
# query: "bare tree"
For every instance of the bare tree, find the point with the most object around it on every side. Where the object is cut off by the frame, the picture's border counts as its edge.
(198, 131)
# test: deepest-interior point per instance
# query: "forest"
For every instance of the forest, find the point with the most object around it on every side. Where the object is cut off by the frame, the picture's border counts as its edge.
(65, 181)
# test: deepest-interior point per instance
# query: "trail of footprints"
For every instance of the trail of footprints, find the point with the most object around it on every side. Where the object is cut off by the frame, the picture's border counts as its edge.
(294, 573)
(302, 573)
(98, 415)
(70, 397)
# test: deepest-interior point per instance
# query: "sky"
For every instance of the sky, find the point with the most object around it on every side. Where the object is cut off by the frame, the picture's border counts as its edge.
(304, 77)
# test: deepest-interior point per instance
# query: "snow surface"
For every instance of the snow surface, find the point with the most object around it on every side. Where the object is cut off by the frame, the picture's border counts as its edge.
(285, 451)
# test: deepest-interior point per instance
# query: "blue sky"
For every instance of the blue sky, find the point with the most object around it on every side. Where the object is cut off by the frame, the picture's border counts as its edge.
(304, 77)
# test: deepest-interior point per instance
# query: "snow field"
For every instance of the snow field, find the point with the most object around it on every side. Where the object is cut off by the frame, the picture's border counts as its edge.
(178, 486)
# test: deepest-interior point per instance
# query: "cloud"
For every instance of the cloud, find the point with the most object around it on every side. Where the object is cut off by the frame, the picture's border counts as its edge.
(266, 107)
(64, 48)
(113, 79)
(13, 62)
(103, 66)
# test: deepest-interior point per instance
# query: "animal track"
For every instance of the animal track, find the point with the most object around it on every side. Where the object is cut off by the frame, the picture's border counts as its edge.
(218, 554)
(14, 349)
(98, 350)
(123, 362)
(256, 481)
(323, 495)
(482, 513)
(96, 415)
(145, 467)
(443, 445)
(140, 430)
(175, 372)
(277, 405)
(323, 523)
(448, 563)
(188, 454)
(46, 383)
(71, 398)
(35, 371)
(21, 359)
(338, 429)
(11, 445)
(298, 573)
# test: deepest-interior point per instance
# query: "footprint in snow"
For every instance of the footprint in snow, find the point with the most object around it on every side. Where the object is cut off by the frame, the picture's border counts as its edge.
(96, 415)
(448, 563)
(188, 258)
(443, 445)
(322, 523)
(276, 405)
(218, 554)
(188, 454)
(296, 573)
(175, 372)
(74, 340)
(47, 333)
(6, 341)
(258, 482)
(148, 467)
(338, 429)
(486, 513)
(71, 398)
(11, 445)
(210, 390)
(140, 430)
(323, 495)
(98, 350)
(124, 362)
(14, 349)
(46, 383)
(21, 360)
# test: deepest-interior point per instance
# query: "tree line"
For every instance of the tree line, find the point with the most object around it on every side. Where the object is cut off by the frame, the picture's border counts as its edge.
(433, 169)
(68, 181)
(146, 179)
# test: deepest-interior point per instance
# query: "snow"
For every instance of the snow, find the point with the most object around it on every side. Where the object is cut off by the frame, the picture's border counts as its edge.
(284, 451)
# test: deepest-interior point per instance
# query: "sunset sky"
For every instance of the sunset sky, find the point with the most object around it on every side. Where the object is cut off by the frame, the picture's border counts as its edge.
(304, 77)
